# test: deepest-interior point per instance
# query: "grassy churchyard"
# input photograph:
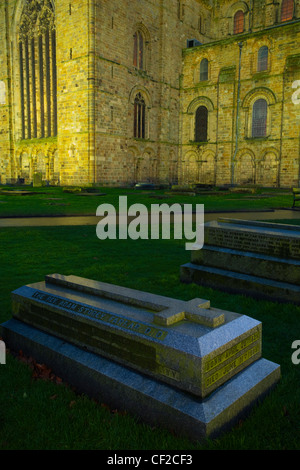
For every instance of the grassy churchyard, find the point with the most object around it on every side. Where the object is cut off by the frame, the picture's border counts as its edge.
(46, 201)
(39, 411)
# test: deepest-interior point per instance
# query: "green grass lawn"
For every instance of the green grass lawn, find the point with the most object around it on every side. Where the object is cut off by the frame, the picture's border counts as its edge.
(43, 414)
(54, 201)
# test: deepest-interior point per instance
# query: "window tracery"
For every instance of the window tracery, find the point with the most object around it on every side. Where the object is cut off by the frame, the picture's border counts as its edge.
(37, 67)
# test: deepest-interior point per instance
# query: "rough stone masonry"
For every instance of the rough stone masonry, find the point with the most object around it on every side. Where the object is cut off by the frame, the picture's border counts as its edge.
(162, 90)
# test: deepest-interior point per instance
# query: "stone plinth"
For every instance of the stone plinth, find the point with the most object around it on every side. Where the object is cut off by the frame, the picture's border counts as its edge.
(248, 257)
(189, 345)
(161, 358)
(271, 239)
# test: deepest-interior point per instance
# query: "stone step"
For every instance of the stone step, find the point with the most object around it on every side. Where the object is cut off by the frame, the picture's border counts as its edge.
(256, 264)
(240, 283)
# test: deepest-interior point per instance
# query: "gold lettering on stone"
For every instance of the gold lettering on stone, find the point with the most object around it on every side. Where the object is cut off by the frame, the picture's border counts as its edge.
(167, 372)
(212, 363)
(256, 242)
(231, 366)
(103, 316)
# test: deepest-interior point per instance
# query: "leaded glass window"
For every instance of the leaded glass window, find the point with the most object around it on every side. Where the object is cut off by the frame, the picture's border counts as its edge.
(262, 60)
(138, 50)
(287, 10)
(201, 121)
(238, 22)
(37, 67)
(139, 126)
(204, 70)
(259, 118)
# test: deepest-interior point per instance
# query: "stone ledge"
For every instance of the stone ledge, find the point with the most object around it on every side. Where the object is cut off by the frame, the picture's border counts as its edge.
(255, 264)
(240, 283)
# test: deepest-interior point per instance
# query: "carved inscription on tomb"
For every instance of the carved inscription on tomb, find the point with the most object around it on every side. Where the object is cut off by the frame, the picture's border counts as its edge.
(235, 357)
(211, 380)
(102, 315)
(237, 348)
(254, 241)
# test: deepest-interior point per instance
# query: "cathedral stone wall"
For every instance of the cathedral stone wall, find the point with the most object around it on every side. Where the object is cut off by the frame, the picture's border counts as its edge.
(98, 92)
(240, 147)
(122, 157)
(6, 146)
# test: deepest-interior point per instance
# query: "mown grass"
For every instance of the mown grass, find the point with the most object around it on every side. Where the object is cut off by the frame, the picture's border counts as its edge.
(46, 201)
(39, 414)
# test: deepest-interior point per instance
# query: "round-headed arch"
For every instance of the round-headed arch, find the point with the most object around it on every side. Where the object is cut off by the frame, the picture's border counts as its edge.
(259, 93)
(200, 101)
(237, 6)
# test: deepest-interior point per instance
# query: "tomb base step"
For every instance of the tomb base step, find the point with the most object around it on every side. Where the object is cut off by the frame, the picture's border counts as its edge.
(154, 402)
(240, 283)
(255, 264)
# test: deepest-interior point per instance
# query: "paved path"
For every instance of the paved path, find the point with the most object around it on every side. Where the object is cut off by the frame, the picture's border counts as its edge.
(93, 220)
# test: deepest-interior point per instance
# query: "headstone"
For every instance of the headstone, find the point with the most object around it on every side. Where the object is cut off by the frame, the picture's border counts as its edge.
(260, 259)
(185, 365)
(37, 179)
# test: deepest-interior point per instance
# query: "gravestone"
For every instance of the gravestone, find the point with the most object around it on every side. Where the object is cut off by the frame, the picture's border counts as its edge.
(260, 259)
(184, 365)
(37, 179)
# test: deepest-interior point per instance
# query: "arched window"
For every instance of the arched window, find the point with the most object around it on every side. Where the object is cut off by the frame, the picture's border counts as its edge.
(262, 59)
(201, 122)
(204, 70)
(287, 10)
(139, 123)
(138, 50)
(259, 118)
(37, 66)
(201, 24)
(238, 22)
(180, 10)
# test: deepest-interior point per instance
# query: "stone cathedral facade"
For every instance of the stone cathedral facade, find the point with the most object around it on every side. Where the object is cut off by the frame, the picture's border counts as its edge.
(114, 92)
